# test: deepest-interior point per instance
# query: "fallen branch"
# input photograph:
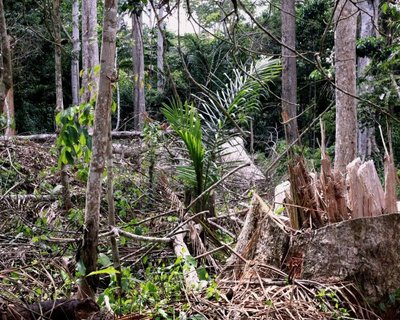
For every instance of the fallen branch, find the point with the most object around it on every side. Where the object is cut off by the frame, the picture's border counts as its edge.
(52, 136)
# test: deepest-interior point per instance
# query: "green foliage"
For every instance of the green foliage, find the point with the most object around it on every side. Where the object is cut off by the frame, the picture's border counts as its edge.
(329, 299)
(74, 141)
(185, 121)
(155, 293)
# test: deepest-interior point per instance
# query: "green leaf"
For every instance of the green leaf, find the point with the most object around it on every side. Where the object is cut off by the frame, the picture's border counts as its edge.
(104, 260)
(109, 271)
(80, 267)
(202, 273)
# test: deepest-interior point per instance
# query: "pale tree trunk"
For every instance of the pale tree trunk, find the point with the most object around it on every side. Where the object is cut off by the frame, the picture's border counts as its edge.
(90, 50)
(76, 48)
(345, 82)
(138, 71)
(289, 74)
(99, 149)
(6, 77)
(118, 95)
(160, 50)
(368, 22)
(59, 94)
(57, 55)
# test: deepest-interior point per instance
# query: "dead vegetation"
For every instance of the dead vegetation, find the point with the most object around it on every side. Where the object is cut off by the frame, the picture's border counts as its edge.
(256, 279)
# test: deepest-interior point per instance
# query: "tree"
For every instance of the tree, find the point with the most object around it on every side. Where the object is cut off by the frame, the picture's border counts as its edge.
(57, 55)
(90, 50)
(368, 22)
(160, 49)
(6, 76)
(138, 68)
(289, 74)
(99, 149)
(345, 84)
(75, 53)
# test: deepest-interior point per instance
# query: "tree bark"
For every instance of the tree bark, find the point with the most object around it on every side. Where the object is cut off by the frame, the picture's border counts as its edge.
(345, 81)
(59, 93)
(160, 50)
(99, 150)
(289, 74)
(368, 22)
(76, 48)
(138, 71)
(57, 55)
(90, 50)
(6, 77)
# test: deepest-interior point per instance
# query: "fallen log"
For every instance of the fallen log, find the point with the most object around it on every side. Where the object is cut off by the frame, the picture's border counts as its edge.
(71, 309)
(52, 136)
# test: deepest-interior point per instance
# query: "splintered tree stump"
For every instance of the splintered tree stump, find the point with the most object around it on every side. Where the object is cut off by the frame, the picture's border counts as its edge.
(365, 251)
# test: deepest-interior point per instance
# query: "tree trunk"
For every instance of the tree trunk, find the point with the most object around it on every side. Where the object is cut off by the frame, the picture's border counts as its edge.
(345, 81)
(59, 94)
(90, 50)
(57, 55)
(160, 50)
(366, 133)
(289, 75)
(138, 71)
(99, 150)
(76, 48)
(6, 77)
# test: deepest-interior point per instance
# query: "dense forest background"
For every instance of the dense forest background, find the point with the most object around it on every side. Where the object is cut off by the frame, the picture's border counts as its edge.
(137, 135)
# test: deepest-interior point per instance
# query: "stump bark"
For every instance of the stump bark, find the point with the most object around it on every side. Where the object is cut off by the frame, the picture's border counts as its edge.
(365, 251)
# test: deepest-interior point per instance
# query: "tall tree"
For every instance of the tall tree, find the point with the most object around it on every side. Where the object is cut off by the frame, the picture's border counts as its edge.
(57, 55)
(368, 23)
(289, 73)
(90, 50)
(56, 18)
(99, 149)
(76, 48)
(6, 76)
(138, 68)
(160, 48)
(345, 83)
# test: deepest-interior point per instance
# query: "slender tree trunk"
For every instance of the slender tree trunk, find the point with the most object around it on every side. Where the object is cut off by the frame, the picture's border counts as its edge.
(59, 94)
(138, 71)
(57, 55)
(118, 96)
(76, 48)
(111, 208)
(368, 22)
(345, 81)
(90, 50)
(289, 74)
(160, 50)
(99, 150)
(6, 76)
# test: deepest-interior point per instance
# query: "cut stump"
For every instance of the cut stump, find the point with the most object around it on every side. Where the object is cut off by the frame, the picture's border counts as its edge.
(365, 251)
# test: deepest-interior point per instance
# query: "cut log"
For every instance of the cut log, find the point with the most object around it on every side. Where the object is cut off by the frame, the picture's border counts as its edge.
(234, 152)
(52, 136)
